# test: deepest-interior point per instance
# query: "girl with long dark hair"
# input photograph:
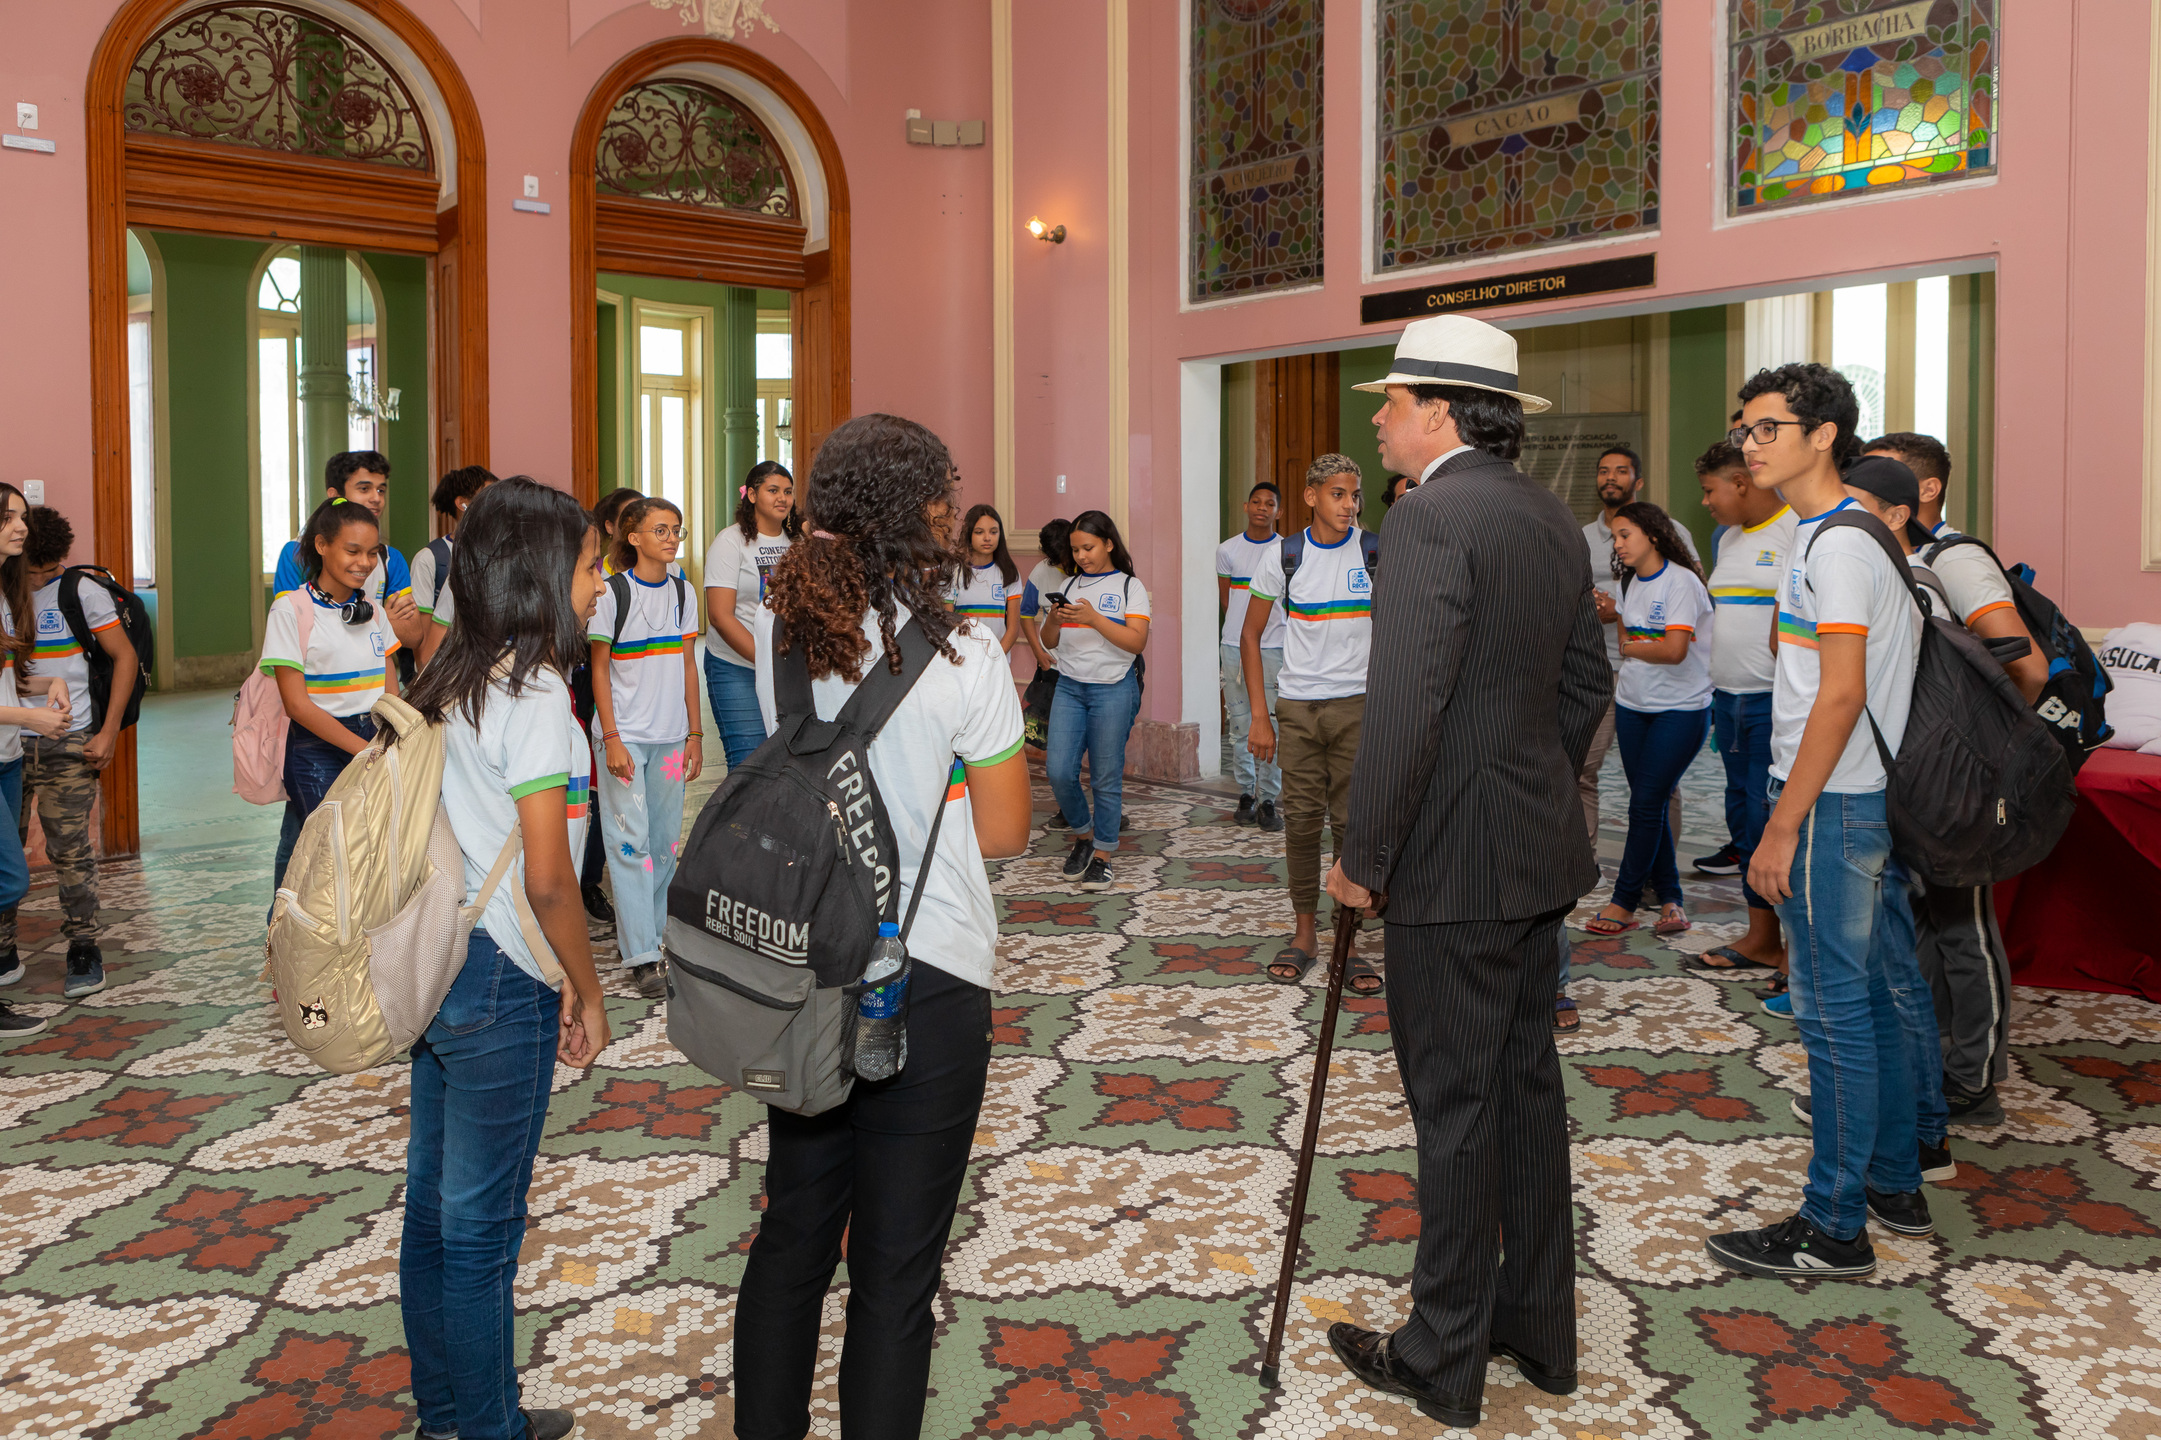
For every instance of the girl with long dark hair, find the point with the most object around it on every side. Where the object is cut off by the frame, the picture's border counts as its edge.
(330, 687)
(17, 642)
(738, 568)
(516, 762)
(886, 1165)
(987, 591)
(1662, 704)
(644, 642)
(1099, 632)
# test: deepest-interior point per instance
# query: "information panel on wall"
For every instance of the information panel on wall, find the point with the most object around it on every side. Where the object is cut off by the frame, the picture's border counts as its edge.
(1561, 452)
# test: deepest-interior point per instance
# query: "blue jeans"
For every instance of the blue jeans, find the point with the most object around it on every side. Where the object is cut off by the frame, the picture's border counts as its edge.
(733, 689)
(641, 821)
(1840, 944)
(14, 866)
(1261, 781)
(1916, 1003)
(1096, 719)
(312, 766)
(1656, 748)
(480, 1102)
(1743, 723)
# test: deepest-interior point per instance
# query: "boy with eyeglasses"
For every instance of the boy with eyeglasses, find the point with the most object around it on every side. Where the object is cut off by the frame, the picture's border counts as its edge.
(1848, 639)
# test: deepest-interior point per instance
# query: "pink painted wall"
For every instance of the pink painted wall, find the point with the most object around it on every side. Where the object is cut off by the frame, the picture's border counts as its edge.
(921, 313)
(2064, 223)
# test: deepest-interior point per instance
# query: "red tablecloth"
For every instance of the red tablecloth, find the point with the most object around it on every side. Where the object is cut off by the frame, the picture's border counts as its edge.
(2089, 916)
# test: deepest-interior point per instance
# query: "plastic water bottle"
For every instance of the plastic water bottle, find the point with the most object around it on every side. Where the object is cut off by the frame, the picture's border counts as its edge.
(881, 1034)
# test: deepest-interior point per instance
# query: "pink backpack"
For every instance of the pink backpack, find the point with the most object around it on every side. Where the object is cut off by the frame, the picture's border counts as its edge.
(259, 728)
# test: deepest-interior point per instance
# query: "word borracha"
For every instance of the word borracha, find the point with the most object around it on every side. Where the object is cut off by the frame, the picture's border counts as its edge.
(1630, 272)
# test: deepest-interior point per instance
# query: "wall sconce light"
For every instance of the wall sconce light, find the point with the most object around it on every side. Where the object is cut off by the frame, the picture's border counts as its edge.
(1055, 234)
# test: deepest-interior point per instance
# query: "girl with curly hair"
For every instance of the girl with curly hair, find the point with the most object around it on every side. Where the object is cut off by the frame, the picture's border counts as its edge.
(737, 570)
(875, 558)
(1662, 704)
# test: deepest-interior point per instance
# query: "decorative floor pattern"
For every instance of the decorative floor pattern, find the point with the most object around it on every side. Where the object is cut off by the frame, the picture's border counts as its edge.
(198, 1233)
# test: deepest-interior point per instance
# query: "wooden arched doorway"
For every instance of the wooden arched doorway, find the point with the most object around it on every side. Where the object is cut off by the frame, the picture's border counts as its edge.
(712, 242)
(233, 177)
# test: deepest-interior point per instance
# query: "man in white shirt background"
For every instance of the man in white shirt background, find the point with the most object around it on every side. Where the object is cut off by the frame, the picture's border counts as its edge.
(1237, 562)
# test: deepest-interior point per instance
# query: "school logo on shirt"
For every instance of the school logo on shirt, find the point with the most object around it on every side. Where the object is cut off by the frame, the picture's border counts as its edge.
(1658, 614)
(1360, 580)
(50, 623)
(1111, 602)
(1766, 557)
(375, 638)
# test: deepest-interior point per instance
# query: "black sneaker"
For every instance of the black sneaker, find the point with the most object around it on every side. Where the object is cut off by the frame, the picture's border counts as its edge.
(86, 969)
(1801, 1111)
(549, 1424)
(1726, 860)
(1268, 818)
(1243, 815)
(11, 966)
(1076, 863)
(1980, 1109)
(650, 982)
(14, 1025)
(597, 906)
(1097, 876)
(1904, 1214)
(1056, 821)
(1125, 823)
(1793, 1249)
(1937, 1166)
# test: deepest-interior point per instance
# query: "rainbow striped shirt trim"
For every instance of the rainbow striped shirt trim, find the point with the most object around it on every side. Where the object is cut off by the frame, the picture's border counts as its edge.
(981, 612)
(577, 795)
(1743, 595)
(1240, 582)
(1638, 632)
(956, 785)
(351, 682)
(1329, 610)
(648, 648)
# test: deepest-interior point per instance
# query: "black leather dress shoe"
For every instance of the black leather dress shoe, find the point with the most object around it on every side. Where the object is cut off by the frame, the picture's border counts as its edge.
(1366, 1354)
(1553, 1382)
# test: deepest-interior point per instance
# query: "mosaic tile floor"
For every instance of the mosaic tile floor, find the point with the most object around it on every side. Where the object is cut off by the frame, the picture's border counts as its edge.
(198, 1233)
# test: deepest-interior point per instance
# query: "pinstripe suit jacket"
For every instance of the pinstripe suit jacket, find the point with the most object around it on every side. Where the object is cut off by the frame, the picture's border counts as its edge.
(1487, 681)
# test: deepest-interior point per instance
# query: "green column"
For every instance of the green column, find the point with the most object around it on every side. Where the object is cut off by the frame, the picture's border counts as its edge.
(322, 363)
(738, 396)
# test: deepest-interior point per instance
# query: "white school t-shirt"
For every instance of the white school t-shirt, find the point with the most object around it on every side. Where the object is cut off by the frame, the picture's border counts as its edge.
(1238, 560)
(980, 594)
(1598, 541)
(955, 716)
(1084, 653)
(11, 736)
(1651, 607)
(345, 664)
(426, 583)
(1970, 577)
(57, 653)
(523, 744)
(1328, 636)
(1745, 578)
(746, 567)
(645, 668)
(1846, 587)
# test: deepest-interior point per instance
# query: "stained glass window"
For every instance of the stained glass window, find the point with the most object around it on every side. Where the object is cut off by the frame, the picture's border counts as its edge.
(688, 143)
(1256, 221)
(1503, 124)
(1851, 95)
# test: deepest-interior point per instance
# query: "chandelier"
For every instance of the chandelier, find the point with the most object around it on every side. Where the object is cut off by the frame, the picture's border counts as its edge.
(364, 401)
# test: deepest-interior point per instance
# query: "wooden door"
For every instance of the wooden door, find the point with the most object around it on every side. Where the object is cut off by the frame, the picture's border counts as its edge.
(1297, 417)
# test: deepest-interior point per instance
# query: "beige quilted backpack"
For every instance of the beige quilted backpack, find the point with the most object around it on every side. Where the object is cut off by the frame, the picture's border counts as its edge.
(368, 932)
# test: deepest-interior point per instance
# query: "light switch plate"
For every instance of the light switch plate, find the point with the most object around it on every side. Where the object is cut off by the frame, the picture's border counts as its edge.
(944, 132)
(971, 132)
(34, 491)
(26, 115)
(919, 130)
(1061, 484)
(532, 187)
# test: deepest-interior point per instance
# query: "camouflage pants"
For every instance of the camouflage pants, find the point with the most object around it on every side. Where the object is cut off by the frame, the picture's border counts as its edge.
(64, 786)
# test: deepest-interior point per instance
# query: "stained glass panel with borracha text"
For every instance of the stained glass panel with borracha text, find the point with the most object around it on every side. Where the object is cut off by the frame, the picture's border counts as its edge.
(1845, 97)
(1507, 124)
(1256, 205)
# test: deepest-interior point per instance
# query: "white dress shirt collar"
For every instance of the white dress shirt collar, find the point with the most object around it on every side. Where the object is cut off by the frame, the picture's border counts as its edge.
(1427, 473)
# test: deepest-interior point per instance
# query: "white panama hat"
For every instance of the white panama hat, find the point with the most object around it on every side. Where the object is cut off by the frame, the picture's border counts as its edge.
(1457, 350)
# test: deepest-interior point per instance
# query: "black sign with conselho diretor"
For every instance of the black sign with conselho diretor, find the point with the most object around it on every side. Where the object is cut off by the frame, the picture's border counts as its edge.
(1525, 287)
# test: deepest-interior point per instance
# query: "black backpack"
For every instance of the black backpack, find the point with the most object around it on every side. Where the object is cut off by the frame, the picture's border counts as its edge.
(619, 586)
(1980, 789)
(2073, 698)
(134, 623)
(777, 899)
(1294, 550)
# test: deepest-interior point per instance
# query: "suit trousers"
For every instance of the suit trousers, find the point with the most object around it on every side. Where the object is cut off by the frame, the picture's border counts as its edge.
(1470, 1010)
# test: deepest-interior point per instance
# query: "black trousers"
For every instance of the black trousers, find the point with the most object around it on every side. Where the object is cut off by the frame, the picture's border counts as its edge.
(1470, 1008)
(908, 1138)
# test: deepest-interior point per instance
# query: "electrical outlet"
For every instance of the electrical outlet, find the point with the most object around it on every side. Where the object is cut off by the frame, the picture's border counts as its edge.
(34, 491)
(1061, 484)
(532, 187)
(26, 115)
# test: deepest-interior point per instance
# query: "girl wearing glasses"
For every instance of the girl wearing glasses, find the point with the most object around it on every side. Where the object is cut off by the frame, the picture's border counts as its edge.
(644, 642)
(330, 651)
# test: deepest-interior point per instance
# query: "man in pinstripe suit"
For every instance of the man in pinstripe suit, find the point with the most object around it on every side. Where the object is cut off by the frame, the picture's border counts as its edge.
(1487, 681)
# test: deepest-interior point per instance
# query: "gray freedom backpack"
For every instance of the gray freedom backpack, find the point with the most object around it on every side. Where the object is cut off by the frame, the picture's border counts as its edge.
(781, 887)
(1980, 788)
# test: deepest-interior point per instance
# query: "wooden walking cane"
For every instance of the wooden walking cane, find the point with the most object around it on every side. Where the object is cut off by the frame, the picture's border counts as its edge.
(1339, 955)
